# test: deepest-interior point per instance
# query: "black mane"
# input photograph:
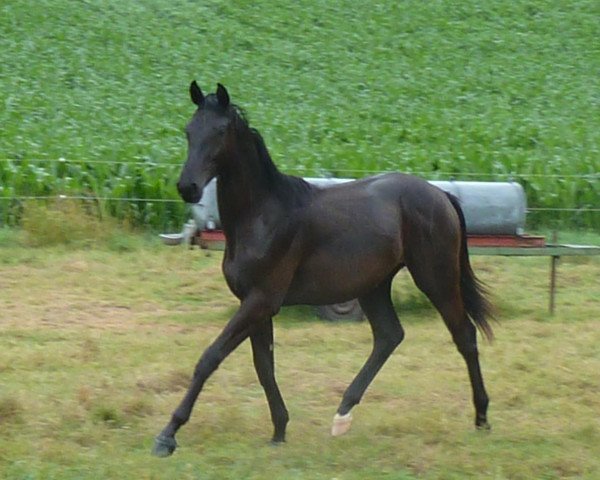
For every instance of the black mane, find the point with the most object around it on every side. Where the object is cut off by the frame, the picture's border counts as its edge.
(292, 191)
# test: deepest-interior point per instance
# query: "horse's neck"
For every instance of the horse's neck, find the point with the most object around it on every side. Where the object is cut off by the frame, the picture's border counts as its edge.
(251, 188)
(242, 190)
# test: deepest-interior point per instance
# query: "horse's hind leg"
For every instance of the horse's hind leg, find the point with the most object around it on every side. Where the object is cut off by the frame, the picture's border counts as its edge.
(387, 335)
(262, 352)
(442, 287)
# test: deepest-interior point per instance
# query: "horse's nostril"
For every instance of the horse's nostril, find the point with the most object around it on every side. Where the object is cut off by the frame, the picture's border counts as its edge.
(188, 191)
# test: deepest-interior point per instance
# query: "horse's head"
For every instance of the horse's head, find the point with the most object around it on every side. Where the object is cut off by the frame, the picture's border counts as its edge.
(206, 135)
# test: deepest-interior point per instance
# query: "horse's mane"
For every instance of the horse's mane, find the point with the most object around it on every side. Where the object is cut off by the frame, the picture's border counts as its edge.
(293, 191)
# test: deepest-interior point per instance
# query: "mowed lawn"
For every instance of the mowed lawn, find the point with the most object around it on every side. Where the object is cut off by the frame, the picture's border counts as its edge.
(98, 344)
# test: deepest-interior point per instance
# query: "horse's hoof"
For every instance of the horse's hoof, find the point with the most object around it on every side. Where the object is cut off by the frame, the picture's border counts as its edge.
(341, 424)
(164, 446)
(483, 426)
(278, 439)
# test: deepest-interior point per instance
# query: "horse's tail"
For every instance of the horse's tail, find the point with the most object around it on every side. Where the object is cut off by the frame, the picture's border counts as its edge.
(474, 292)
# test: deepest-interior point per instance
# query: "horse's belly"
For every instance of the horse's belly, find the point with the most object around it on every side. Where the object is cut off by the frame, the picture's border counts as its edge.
(344, 271)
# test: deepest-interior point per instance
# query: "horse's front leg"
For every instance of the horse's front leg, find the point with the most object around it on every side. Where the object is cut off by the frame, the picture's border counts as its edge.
(253, 310)
(263, 355)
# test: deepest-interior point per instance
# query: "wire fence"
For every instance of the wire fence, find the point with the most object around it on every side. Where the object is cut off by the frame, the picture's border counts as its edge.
(89, 197)
(325, 172)
(590, 210)
(172, 200)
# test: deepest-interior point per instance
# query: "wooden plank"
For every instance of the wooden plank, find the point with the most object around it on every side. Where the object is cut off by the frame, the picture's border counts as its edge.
(505, 241)
(498, 245)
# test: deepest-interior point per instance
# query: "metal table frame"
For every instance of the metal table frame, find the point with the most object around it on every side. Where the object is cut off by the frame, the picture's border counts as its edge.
(554, 251)
(215, 240)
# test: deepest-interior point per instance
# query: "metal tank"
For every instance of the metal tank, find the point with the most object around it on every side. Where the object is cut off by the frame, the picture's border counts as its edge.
(206, 211)
(490, 208)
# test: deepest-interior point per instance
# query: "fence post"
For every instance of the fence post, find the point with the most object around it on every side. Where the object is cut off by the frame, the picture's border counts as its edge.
(553, 261)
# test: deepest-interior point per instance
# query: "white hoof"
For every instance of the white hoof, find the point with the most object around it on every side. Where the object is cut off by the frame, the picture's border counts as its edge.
(341, 424)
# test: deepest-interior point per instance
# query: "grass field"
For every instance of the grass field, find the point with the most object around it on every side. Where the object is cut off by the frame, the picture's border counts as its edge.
(476, 90)
(99, 343)
(98, 338)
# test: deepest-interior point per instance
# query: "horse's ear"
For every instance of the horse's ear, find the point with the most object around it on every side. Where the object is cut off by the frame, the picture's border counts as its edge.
(196, 93)
(222, 96)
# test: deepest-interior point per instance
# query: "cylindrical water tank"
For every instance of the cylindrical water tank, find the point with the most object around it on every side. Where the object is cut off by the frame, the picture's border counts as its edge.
(490, 208)
(206, 211)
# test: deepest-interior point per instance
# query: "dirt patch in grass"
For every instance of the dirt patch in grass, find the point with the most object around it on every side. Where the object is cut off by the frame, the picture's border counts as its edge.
(11, 410)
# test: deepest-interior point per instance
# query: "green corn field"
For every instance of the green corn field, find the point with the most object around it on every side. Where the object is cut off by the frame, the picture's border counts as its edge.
(488, 91)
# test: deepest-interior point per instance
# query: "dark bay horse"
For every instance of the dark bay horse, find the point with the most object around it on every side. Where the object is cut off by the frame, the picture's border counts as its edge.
(289, 242)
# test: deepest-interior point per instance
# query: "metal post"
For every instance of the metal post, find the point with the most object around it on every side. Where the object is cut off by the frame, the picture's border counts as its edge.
(553, 262)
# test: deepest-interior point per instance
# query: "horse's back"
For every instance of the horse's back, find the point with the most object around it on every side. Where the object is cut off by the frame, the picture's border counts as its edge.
(383, 202)
(355, 235)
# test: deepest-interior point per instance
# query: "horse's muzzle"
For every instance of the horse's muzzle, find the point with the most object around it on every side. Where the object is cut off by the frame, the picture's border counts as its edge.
(190, 192)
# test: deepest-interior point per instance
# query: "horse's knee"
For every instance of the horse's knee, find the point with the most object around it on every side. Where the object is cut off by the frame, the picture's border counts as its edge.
(397, 337)
(388, 343)
(262, 306)
(208, 363)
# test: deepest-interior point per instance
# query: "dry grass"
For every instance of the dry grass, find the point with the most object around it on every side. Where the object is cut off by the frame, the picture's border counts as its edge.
(97, 348)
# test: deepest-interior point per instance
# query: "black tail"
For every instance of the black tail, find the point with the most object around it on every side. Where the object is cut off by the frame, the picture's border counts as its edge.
(474, 292)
